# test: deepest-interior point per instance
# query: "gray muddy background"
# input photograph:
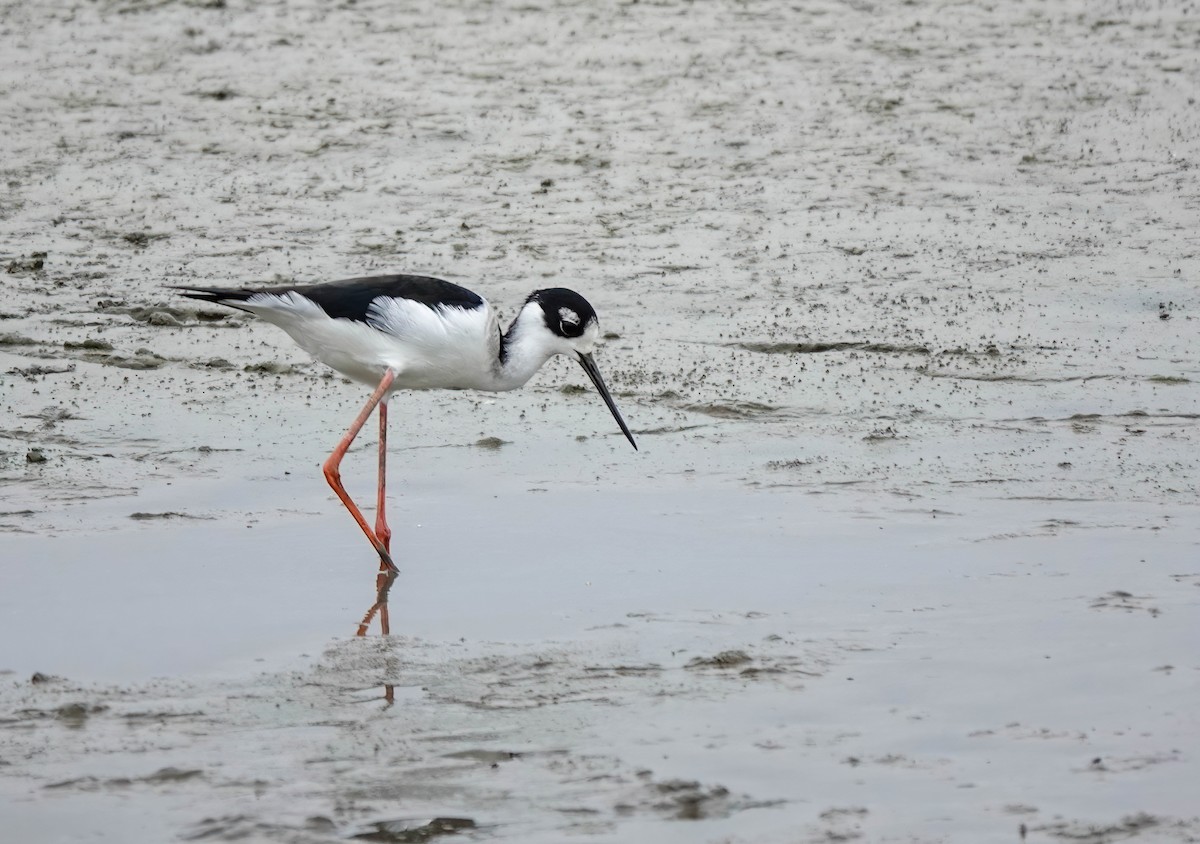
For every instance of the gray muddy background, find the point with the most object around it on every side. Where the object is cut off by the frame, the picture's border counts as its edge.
(900, 299)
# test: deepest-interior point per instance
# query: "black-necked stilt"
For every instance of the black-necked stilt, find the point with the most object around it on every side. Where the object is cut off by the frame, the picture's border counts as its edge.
(412, 332)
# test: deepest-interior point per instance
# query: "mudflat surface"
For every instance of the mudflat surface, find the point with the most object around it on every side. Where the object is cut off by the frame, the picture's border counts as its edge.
(901, 302)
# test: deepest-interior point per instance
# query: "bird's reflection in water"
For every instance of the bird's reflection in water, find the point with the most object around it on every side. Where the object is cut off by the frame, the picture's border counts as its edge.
(383, 585)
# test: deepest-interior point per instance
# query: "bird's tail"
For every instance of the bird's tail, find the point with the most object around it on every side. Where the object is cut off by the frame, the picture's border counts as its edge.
(229, 296)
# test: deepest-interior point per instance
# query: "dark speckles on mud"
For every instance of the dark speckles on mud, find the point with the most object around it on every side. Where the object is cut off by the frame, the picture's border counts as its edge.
(270, 367)
(410, 830)
(799, 348)
(163, 319)
(169, 514)
(731, 409)
(725, 659)
(35, 263)
(141, 240)
(1100, 833)
(95, 350)
(218, 94)
(142, 359)
(51, 415)
(393, 831)
(33, 373)
(73, 714)
(1119, 599)
(167, 316)
(486, 756)
(172, 774)
(91, 344)
(796, 463)
(163, 776)
(690, 801)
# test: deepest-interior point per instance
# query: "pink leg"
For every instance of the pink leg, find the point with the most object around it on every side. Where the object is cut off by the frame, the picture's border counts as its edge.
(334, 476)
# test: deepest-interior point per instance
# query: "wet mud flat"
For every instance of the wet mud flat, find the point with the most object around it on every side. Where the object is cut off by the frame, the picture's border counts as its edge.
(900, 301)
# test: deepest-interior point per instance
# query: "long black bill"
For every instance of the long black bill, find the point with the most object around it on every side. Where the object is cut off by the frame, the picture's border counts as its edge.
(589, 366)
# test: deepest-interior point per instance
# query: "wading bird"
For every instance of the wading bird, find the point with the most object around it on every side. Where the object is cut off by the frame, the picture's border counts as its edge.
(407, 332)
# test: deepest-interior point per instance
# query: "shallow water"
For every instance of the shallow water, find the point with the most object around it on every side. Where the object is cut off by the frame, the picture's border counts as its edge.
(902, 309)
(798, 671)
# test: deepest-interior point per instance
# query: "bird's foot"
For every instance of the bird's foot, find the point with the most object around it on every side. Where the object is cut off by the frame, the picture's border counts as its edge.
(385, 559)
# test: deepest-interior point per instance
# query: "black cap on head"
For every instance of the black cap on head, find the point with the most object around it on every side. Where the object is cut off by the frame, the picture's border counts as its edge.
(567, 313)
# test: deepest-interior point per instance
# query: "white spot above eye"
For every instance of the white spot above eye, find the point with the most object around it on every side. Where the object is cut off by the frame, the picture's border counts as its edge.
(569, 316)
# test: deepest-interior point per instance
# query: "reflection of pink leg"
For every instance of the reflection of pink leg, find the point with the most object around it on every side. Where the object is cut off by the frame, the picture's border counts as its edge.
(383, 585)
(334, 476)
(381, 526)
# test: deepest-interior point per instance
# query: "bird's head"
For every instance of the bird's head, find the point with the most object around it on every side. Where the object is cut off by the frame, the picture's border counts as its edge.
(571, 328)
(569, 318)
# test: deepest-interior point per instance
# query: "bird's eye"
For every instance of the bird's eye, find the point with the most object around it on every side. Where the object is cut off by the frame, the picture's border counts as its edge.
(569, 323)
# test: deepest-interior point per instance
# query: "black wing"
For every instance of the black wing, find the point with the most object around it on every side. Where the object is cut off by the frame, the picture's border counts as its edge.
(351, 297)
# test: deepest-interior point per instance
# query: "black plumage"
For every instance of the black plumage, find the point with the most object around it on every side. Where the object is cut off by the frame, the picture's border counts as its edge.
(351, 298)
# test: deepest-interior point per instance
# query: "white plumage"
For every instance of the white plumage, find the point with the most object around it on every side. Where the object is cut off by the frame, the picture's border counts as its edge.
(442, 347)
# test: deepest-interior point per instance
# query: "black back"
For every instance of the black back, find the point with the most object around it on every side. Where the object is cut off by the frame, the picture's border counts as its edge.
(352, 297)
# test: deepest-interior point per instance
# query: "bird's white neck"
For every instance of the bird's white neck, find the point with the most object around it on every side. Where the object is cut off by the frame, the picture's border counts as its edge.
(526, 346)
